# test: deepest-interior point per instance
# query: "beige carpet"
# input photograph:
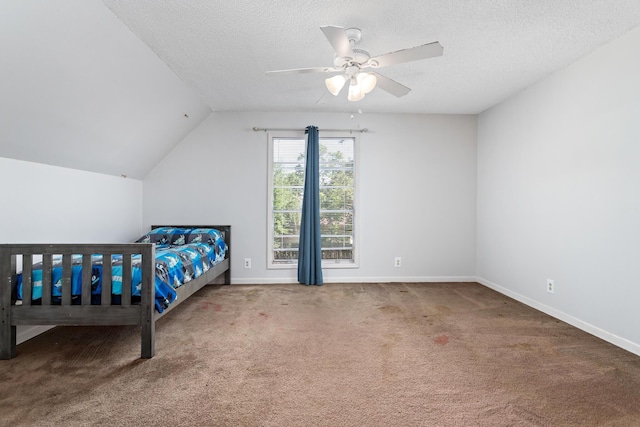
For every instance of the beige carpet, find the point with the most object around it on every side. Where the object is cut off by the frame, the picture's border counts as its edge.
(339, 355)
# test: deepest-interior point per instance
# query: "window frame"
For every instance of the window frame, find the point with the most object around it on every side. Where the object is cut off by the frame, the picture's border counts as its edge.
(326, 264)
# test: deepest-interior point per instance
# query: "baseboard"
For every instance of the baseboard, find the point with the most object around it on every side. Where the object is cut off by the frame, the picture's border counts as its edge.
(393, 279)
(24, 333)
(573, 321)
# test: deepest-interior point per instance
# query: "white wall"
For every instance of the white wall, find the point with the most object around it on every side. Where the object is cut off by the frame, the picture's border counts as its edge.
(417, 192)
(50, 204)
(559, 195)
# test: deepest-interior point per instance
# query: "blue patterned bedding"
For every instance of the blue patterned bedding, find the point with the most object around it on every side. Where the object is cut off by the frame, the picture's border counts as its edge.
(181, 256)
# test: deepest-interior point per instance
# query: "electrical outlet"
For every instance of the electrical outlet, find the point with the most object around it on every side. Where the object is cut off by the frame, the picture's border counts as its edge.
(247, 263)
(397, 262)
(550, 286)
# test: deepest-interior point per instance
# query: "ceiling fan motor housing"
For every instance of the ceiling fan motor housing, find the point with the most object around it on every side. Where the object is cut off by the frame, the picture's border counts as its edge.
(360, 58)
(354, 35)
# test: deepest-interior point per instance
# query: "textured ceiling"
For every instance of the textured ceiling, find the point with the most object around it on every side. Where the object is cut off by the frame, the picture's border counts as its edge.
(493, 48)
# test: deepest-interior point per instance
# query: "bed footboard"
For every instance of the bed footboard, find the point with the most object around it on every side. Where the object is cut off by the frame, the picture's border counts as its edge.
(65, 311)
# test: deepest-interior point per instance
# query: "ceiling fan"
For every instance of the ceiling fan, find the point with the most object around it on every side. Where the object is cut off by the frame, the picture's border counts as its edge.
(357, 67)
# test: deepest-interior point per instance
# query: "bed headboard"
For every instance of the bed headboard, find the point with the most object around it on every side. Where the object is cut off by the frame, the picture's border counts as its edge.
(219, 227)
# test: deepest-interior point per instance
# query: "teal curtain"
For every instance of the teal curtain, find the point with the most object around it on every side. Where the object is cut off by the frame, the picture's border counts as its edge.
(309, 253)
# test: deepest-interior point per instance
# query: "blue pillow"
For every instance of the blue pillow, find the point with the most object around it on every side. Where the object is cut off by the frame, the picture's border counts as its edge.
(209, 236)
(166, 236)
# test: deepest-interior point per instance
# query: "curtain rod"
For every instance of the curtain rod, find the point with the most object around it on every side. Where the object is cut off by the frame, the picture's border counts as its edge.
(257, 129)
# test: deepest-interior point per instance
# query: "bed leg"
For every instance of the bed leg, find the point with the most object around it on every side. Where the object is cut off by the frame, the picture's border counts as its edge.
(147, 303)
(148, 340)
(7, 341)
(7, 331)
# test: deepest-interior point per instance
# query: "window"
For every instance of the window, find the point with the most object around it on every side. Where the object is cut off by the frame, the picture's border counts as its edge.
(337, 199)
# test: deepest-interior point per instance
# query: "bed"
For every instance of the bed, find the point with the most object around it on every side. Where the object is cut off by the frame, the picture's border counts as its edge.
(45, 284)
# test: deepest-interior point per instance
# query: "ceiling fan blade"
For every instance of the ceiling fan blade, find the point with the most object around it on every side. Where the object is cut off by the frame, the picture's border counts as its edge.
(412, 54)
(391, 86)
(305, 70)
(339, 40)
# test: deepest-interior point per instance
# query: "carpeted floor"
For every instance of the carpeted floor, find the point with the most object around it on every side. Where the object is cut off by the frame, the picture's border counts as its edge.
(406, 354)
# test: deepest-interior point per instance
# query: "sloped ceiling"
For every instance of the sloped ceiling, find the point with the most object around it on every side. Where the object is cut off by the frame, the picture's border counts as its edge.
(113, 86)
(78, 89)
(493, 48)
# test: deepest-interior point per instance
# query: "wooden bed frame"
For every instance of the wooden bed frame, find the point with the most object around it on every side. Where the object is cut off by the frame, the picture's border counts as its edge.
(143, 314)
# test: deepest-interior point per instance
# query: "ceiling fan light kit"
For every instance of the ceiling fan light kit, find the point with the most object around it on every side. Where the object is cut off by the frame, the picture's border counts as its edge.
(361, 83)
(335, 84)
(367, 81)
(352, 63)
(355, 91)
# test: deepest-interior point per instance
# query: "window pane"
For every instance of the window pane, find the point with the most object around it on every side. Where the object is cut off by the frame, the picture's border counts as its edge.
(287, 198)
(285, 224)
(288, 174)
(291, 242)
(335, 254)
(285, 248)
(336, 198)
(336, 223)
(337, 241)
(336, 177)
(285, 256)
(336, 150)
(288, 150)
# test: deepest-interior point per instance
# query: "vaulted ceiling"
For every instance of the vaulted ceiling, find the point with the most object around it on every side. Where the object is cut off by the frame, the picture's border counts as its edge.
(112, 86)
(78, 89)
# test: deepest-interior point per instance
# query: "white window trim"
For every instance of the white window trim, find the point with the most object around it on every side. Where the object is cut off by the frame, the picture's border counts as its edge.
(326, 264)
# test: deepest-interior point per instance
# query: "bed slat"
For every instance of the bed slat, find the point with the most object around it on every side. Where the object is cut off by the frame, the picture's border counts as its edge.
(27, 291)
(86, 279)
(66, 279)
(106, 280)
(126, 280)
(46, 279)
